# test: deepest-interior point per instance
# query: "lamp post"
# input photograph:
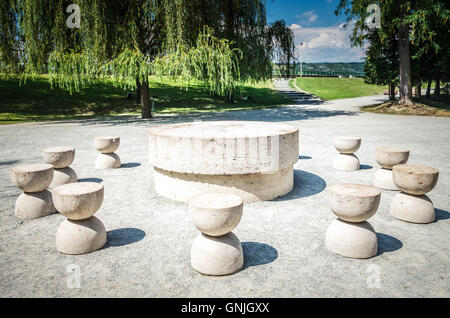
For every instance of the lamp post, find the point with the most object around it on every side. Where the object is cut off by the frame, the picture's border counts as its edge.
(301, 59)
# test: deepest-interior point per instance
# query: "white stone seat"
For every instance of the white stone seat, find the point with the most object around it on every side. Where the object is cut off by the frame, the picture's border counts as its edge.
(216, 214)
(32, 177)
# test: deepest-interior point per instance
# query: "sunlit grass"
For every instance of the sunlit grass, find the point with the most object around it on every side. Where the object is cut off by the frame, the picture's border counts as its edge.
(329, 88)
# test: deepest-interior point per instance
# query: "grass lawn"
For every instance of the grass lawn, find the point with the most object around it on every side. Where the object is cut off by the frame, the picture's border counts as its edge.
(36, 101)
(328, 88)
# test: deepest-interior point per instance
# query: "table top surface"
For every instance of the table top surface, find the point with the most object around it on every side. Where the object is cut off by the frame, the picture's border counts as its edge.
(223, 129)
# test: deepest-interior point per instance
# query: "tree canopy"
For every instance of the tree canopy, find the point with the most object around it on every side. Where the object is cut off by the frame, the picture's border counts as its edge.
(411, 33)
(217, 42)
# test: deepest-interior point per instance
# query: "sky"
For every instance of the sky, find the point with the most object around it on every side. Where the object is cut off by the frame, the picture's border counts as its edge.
(315, 24)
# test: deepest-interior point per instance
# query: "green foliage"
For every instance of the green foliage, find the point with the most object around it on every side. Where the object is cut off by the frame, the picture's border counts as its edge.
(216, 42)
(428, 37)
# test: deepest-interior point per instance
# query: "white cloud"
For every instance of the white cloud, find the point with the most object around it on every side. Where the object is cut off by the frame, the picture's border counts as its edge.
(327, 44)
(307, 17)
(295, 26)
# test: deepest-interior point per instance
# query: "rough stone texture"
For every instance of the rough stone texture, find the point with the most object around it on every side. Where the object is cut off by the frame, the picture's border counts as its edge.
(216, 214)
(347, 145)
(250, 187)
(387, 157)
(223, 147)
(32, 177)
(412, 208)
(217, 255)
(107, 144)
(63, 176)
(78, 201)
(149, 239)
(34, 205)
(355, 240)
(353, 202)
(346, 162)
(59, 157)
(80, 237)
(107, 161)
(383, 179)
(415, 179)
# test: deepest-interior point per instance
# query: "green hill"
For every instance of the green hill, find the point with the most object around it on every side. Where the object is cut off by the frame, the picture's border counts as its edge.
(354, 68)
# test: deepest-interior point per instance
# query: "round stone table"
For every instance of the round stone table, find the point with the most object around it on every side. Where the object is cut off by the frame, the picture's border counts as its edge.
(251, 159)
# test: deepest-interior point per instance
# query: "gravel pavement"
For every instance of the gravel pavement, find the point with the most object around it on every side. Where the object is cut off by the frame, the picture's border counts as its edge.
(149, 237)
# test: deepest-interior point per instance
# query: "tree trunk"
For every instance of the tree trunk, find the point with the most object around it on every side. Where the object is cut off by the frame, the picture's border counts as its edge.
(391, 92)
(138, 91)
(427, 94)
(405, 89)
(229, 96)
(437, 88)
(419, 89)
(145, 100)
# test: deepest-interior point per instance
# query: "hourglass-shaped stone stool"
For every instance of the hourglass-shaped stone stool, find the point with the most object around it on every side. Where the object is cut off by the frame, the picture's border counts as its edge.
(412, 204)
(387, 158)
(346, 160)
(81, 232)
(35, 201)
(107, 159)
(216, 250)
(350, 235)
(60, 158)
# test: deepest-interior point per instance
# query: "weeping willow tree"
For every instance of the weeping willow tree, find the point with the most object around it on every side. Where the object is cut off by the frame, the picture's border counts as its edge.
(281, 39)
(216, 42)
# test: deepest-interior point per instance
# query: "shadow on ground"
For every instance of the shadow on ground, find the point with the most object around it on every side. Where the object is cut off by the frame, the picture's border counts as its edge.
(258, 254)
(98, 180)
(124, 236)
(364, 167)
(7, 163)
(441, 215)
(130, 165)
(278, 114)
(387, 243)
(305, 185)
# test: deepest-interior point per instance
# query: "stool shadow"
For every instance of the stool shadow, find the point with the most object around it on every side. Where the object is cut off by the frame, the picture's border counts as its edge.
(98, 180)
(258, 254)
(364, 167)
(305, 185)
(441, 215)
(387, 243)
(124, 236)
(130, 165)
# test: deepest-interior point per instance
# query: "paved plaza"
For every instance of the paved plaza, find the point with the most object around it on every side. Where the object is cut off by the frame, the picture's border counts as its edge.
(149, 237)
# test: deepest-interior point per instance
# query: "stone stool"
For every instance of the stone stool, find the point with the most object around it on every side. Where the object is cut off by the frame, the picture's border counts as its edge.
(350, 235)
(216, 250)
(81, 232)
(60, 158)
(387, 158)
(35, 201)
(107, 159)
(346, 160)
(412, 204)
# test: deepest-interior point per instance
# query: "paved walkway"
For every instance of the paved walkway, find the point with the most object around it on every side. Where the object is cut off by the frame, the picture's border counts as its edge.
(149, 237)
(314, 102)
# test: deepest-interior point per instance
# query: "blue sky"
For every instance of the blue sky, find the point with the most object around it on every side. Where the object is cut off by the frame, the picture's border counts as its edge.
(314, 23)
